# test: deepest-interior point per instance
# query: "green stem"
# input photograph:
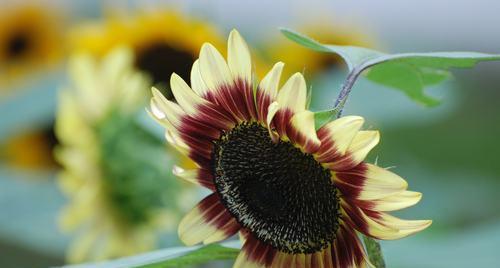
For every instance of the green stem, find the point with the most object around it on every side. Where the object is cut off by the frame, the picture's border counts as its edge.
(352, 77)
(346, 89)
(374, 252)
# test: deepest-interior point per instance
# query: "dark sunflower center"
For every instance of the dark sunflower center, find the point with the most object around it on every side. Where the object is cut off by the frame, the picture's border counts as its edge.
(160, 60)
(18, 44)
(282, 195)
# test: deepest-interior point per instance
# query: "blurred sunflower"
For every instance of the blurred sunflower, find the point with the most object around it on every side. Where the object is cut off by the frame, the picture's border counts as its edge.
(30, 150)
(120, 199)
(298, 195)
(30, 40)
(299, 58)
(162, 41)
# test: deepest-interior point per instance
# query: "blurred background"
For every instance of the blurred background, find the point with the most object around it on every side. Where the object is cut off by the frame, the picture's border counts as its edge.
(450, 153)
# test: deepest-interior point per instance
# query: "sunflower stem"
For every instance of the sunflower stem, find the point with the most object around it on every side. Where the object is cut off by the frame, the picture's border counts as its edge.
(347, 87)
(374, 252)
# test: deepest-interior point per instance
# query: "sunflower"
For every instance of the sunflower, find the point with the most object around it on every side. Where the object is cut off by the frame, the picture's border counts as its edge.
(297, 195)
(118, 198)
(162, 41)
(30, 150)
(30, 39)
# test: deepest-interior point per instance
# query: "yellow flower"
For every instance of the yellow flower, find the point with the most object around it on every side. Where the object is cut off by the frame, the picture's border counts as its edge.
(30, 150)
(162, 41)
(117, 197)
(30, 39)
(297, 195)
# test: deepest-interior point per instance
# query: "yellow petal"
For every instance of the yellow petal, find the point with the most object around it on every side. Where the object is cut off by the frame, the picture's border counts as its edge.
(177, 142)
(380, 183)
(197, 82)
(242, 261)
(188, 175)
(293, 94)
(271, 112)
(187, 98)
(238, 57)
(270, 83)
(221, 233)
(342, 131)
(362, 144)
(357, 151)
(305, 134)
(159, 117)
(163, 108)
(370, 183)
(197, 225)
(81, 248)
(213, 68)
(404, 227)
(397, 201)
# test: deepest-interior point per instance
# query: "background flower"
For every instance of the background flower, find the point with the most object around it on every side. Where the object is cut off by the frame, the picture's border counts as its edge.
(119, 200)
(31, 45)
(30, 40)
(163, 41)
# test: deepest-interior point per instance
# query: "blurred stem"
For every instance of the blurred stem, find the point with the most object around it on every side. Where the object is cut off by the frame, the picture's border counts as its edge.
(374, 252)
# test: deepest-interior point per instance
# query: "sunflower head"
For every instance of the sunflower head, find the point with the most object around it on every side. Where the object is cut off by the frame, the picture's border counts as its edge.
(297, 193)
(119, 198)
(30, 38)
(162, 41)
(30, 150)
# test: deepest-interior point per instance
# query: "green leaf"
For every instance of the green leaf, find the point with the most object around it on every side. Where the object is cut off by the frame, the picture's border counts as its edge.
(406, 78)
(321, 118)
(374, 252)
(352, 55)
(407, 72)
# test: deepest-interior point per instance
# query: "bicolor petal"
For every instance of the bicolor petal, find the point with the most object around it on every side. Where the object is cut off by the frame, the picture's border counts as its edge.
(162, 108)
(213, 68)
(238, 57)
(357, 151)
(293, 95)
(392, 202)
(302, 132)
(337, 136)
(197, 83)
(198, 176)
(203, 221)
(368, 182)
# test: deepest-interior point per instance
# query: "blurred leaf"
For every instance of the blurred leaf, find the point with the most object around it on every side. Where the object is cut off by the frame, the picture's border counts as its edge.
(407, 72)
(205, 254)
(173, 257)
